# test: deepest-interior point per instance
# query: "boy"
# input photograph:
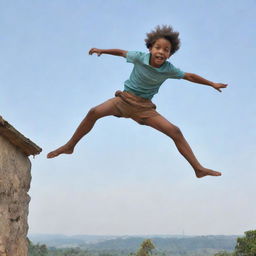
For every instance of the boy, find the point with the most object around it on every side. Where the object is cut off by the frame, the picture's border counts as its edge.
(149, 72)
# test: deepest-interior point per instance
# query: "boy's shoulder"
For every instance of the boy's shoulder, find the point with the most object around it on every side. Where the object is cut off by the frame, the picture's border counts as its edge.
(137, 56)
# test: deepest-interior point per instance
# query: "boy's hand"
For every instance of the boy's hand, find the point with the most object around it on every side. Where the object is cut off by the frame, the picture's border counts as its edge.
(116, 52)
(219, 86)
(95, 50)
(200, 80)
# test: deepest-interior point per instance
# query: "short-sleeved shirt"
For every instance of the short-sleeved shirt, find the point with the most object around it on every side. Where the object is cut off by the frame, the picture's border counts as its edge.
(145, 80)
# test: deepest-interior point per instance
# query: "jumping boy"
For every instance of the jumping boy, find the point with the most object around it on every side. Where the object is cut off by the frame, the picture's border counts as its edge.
(149, 72)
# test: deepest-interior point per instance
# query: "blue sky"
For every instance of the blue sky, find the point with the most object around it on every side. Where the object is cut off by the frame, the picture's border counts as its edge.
(124, 178)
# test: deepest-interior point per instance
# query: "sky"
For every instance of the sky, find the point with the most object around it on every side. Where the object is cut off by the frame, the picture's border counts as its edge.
(123, 178)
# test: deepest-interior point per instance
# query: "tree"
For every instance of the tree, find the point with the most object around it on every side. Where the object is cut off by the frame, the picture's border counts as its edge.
(246, 246)
(146, 248)
(37, 250)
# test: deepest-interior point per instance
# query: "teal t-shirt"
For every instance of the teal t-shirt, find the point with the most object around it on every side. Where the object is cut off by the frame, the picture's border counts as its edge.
(145, 80)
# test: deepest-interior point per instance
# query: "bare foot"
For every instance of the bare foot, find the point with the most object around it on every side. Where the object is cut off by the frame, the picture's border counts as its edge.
(66, 149)
(200, 173)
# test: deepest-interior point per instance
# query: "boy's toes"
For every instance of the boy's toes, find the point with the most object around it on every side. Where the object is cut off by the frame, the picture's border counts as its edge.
(62, 150)
(52, 154)
(207, 172)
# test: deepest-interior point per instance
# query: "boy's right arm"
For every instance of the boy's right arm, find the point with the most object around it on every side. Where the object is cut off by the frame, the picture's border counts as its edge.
(116, 52)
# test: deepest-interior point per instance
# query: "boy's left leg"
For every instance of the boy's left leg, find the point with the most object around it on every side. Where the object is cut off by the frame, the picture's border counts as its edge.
(163, 125)
(105, 109)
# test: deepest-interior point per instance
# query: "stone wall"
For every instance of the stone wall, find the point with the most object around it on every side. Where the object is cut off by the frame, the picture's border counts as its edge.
(15, 177)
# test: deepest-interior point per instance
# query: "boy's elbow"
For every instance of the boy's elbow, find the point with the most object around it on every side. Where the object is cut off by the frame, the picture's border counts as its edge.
(189, 76)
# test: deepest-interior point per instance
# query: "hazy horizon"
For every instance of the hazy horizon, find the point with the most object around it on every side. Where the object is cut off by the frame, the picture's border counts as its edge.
(128, 235)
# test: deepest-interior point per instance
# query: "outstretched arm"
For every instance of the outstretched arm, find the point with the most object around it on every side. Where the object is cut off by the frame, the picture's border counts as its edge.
(116, 52)
(200, 80)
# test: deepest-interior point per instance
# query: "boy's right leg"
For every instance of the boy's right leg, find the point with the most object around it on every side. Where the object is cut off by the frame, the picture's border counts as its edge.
(105, 109)
(163, 125)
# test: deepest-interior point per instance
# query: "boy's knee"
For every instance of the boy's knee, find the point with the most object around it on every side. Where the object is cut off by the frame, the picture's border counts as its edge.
(176, 133)
(93, 112)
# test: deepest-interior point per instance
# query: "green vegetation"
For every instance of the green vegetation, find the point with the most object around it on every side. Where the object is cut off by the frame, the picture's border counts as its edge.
(37, 250)
(245, 246)
(193, 246)
(146, 248)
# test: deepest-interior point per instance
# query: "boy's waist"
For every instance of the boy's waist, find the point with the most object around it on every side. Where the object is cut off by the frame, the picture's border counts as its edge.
(140, 92)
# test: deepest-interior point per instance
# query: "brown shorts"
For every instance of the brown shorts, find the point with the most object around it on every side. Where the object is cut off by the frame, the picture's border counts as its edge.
(131, 106)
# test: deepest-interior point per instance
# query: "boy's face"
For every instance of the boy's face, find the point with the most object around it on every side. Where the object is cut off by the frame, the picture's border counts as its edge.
(160, 52)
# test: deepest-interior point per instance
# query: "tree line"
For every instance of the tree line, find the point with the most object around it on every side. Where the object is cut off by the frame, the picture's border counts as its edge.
(245, 246)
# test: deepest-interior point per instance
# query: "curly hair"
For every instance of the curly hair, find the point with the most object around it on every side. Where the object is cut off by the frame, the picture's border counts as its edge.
(165, 32)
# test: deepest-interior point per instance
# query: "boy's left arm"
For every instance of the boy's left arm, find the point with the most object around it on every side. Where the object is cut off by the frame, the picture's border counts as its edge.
(200, 80)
